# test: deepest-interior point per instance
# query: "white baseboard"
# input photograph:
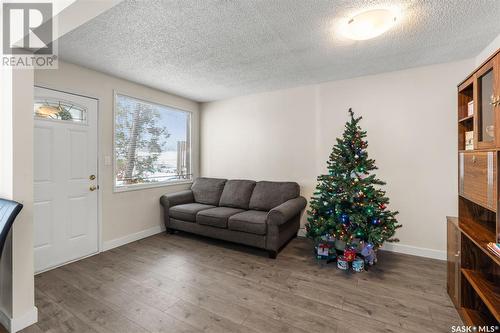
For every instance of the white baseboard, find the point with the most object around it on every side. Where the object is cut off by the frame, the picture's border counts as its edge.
(108, 245)
(406, 249)
(414, 251)
(16, 324)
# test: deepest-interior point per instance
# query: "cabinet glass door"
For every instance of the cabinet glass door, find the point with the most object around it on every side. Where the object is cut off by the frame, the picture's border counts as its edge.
(485, 106)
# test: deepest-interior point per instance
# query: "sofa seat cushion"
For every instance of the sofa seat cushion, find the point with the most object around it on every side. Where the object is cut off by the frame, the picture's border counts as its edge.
(237, 193)
(216, 217)
(251, 221)
(187, 212)
(208, 190)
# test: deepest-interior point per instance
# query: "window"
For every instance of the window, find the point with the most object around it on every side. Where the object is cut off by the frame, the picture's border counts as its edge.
(50, 109)
(151, 142)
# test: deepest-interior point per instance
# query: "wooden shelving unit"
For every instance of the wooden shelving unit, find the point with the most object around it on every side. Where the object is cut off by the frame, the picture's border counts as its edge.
(473, 270)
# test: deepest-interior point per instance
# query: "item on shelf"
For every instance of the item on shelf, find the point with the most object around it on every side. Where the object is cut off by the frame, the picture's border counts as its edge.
(495, 248)
(342, 263)
(469, 140)
(348, 203)
(358, 265)
(490, 130)
(470, 108)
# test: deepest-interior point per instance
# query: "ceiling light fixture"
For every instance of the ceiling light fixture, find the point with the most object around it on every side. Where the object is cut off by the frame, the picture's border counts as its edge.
(369, 24)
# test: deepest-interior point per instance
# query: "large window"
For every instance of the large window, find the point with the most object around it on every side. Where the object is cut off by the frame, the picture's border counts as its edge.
(151, 142)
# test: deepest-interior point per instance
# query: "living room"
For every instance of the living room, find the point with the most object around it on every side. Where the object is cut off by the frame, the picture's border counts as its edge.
(257, 166)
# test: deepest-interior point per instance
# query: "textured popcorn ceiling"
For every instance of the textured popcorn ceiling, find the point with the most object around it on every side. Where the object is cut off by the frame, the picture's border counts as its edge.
(208, 49)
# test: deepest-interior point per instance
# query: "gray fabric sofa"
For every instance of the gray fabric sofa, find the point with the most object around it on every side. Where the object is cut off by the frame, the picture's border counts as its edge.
(260, 214)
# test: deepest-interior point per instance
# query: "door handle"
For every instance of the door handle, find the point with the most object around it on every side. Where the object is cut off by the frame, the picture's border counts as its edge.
(92, 188)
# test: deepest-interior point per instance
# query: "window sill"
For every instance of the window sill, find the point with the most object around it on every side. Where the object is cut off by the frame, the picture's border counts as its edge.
(150, 186)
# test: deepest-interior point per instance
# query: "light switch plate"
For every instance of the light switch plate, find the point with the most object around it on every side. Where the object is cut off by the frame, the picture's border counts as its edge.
(107, 160)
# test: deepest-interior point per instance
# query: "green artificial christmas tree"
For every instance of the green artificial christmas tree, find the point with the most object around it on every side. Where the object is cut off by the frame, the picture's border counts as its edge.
(348, 211)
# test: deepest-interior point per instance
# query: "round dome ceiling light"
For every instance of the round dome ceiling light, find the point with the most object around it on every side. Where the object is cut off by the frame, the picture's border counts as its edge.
(369, 24)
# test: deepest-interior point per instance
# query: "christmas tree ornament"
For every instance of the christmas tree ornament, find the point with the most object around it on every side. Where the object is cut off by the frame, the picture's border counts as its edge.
(348, 203)
(360, 233)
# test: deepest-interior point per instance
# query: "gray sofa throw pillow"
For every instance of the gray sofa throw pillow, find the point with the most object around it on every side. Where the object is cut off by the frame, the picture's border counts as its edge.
(237, 193)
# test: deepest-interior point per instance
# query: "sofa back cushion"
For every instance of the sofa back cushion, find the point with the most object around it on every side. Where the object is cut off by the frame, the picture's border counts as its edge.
(237, 193)
(267, 195)
(208, 190)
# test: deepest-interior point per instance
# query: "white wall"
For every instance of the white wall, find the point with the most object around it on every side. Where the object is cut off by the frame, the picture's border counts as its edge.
(488, 51)
(131, 214)
(17, 308)
(410, 117)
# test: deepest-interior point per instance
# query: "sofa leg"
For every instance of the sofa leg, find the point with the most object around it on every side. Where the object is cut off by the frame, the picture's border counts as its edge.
(272, 254)
(170, 231)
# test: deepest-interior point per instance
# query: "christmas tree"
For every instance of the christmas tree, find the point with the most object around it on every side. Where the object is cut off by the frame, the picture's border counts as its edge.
(348, 209)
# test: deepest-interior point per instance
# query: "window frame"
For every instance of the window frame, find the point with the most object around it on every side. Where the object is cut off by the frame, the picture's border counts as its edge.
(143, 186)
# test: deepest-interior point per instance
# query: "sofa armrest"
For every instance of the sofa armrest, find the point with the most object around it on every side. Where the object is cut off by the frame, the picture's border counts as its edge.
(285, 211)
(177, 198)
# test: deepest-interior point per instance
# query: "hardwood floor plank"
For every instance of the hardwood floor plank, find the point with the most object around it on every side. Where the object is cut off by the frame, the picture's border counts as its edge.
(186, 283)
(97, 315)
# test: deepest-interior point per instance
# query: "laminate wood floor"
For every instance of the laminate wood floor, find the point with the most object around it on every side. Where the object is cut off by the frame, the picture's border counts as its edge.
(186, 283)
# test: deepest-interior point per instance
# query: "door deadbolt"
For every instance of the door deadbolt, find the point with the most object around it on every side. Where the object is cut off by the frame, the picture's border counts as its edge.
(92, 177)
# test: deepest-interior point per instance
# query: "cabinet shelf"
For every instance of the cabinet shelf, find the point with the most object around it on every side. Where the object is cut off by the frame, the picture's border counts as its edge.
(480, 236)
(473, 317)
(465, 119)
(486, 290)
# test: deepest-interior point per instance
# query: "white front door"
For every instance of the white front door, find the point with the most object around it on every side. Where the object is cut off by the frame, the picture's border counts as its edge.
(65, 178)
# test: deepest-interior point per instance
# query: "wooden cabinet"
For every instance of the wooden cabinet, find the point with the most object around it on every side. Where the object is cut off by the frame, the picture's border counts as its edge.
(478, 174)
(453, 260)
(482, 90)
(485, 97)
(473, 281)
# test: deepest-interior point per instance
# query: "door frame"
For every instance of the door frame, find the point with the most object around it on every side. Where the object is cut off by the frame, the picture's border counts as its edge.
(99, 173)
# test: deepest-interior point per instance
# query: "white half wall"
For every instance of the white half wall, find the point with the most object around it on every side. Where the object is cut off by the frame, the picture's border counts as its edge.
(124, 214)
(411, 120)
